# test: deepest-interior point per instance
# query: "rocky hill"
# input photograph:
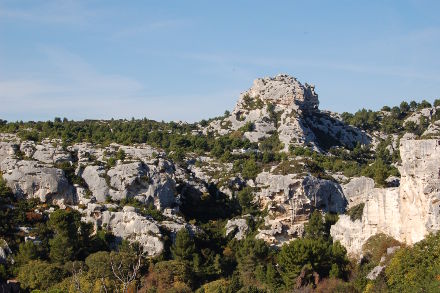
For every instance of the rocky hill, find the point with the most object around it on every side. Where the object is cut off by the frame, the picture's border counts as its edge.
(259, 172)
(282, 104)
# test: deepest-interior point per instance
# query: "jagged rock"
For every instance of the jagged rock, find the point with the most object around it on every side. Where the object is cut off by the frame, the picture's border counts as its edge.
(27, 148)
(290, 200)
(282, 104)
(425, 113)
(237, 226)
(83, 195)
(146, 183)
(407, 213)
(392, 181)
(48, 153)
(7, 150)
(5, 251)
(375, 272)
(95, 178)
(127, 224)
(32, 179)
(357, 190)
(175, 223)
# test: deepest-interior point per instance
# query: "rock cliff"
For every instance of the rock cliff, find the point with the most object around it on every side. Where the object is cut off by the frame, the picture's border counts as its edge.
(407, 213)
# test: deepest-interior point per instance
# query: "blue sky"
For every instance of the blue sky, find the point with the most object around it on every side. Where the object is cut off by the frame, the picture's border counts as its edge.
(188, 60)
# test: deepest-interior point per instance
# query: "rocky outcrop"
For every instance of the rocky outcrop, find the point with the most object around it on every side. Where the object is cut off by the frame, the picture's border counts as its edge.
(407, 213)
(95, 178)
(32, 179)
(48, 152)
(282, 104)
(5, 251)
(290, 200)
(147, 183)
(356, 191)
(127, 224)
(237, 226)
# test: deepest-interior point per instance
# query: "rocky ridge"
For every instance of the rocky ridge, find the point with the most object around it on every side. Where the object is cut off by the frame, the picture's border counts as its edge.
(274, 106)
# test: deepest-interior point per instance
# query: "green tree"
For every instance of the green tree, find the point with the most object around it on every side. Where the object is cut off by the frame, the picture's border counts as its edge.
(315, 228)
(183, 247)
(250, 169)
(417, 268)
(27, 251)
(245, 198)
(38, 274)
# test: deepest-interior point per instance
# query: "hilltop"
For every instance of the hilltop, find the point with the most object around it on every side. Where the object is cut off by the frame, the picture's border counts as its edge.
(226, 201)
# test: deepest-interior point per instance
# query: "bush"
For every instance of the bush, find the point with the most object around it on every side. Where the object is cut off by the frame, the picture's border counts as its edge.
(417, 268)
(356, 212)
(41, 275)
(245, 198)
(166, 276)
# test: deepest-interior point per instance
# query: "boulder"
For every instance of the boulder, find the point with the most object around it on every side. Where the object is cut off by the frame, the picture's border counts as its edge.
(290, 199)
(237, 226)
(95, 178)
(32, 179)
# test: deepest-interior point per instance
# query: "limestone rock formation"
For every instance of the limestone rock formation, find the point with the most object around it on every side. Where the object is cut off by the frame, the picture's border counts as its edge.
(356, 191)
(407, 213)
(290, 201)
(282, 104)
(32, 179)
(95, 178)
(129, 225)
(47, 152)
(237, 226)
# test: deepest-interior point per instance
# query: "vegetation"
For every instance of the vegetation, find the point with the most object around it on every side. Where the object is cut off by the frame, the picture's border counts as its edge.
(67, 256)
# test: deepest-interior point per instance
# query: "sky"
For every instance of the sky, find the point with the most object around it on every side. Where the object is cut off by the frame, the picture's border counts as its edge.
(190, 60)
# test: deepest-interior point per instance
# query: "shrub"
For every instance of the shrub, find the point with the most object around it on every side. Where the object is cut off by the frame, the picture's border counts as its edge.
(356, 212)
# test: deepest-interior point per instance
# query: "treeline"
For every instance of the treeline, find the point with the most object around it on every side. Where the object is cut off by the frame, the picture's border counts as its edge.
(390, 120)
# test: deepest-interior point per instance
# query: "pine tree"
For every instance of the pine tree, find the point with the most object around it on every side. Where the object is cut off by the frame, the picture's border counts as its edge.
(183, 248)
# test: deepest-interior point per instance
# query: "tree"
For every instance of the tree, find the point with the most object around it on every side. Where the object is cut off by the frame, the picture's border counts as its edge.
(41, 275)
(183, 247)
(404, 107)
(245, 198)
(168, 276)
(61, 249)
(250, 169)
(315, 255)
(71, 235)
(27, 251)
(417, 268)
(251, 254)
(315, 228)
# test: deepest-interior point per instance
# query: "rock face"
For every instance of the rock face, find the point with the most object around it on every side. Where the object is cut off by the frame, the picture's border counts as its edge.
(31, 179)
(237, 226)
(95, 178)
(282, 104)
(290, 201)
(129, 225)
(406, 213)
(144, 182)
(282, 90)
(30, 170)
(357, 190)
